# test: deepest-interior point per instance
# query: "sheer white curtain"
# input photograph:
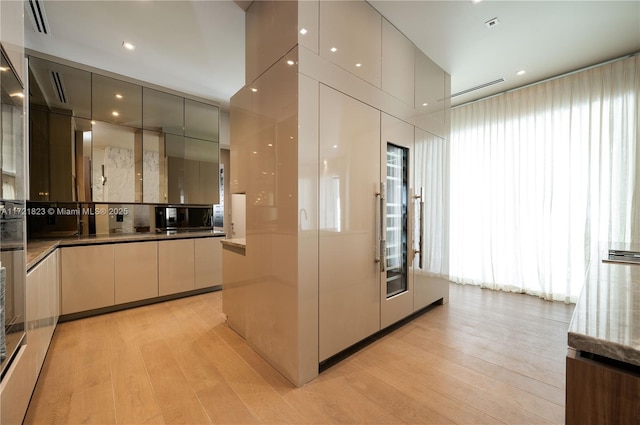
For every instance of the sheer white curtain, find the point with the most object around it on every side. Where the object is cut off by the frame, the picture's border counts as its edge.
(540, 176)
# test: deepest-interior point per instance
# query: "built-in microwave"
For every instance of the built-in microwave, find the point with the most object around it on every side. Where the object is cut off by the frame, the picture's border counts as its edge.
(167, 218)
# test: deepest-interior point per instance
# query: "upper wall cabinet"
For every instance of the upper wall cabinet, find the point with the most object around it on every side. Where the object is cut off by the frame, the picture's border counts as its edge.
(398, 63)
(430, 95)
(59, 132)
(60, 88)
(163, 112)
(117, 102)
(200, 121)
(267, 40)
(350, 37)
(102, 139)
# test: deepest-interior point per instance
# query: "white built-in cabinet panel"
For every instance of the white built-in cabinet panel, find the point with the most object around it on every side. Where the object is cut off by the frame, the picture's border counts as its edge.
(308, 24)
(136, 271)
(430, 274)
(87, 278)
(398, 64)
(349, 276)
(208, 262)
(176, 270)
(42, 310)
(398, 133)
(351, 37)
(430, 96)
(271, 30)
(236, 293)
(43, 306)
(16, 387)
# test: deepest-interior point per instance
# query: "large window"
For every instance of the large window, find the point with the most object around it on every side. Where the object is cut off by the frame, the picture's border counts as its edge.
(543, 178)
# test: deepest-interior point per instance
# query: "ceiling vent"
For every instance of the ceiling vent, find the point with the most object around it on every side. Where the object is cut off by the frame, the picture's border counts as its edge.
(38, 17)
(492, 23)
(481, 86)
(58, 86)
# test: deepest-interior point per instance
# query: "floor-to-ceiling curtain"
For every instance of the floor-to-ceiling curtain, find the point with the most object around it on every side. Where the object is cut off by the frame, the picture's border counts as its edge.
(541, 177)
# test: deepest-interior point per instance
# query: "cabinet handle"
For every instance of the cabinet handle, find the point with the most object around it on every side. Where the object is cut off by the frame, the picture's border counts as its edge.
(382, 242)
(420, 250)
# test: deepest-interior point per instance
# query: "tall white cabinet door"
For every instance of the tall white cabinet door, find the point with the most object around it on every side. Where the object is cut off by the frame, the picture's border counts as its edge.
(136, 271)
(431, 265)
(176, 268)
(396, 289)
(349, 294)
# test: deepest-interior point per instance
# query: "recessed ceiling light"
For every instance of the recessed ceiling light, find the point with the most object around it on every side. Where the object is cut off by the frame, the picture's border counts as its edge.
(335, 146)
(358, 65)
(255, 152)
(290, 62)
(93, 122)
(253, 89)
(118, 96)
(270, 144)
(128, 45)
(3, 68)
(334, 49)
(475, 1)
(521, 72)
(425, 104)
(303, 31)
(115, 113)
(17, 94)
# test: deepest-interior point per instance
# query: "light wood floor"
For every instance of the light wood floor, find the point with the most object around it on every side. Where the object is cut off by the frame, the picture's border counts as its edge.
(484, 358)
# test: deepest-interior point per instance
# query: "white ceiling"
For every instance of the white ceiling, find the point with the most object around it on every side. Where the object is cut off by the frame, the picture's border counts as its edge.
(197, 47)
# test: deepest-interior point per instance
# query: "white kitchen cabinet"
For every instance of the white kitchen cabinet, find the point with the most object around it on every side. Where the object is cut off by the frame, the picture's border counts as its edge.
(208, 262)
(16, 388)
(176, 266)
(136, 271)
(43, 306)
(398, 64)
(42, 310)
(87, 278)
(351, 37)
(349, 276)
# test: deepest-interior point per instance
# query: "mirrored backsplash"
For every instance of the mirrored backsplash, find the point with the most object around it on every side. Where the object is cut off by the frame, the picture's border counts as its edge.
(64, 220)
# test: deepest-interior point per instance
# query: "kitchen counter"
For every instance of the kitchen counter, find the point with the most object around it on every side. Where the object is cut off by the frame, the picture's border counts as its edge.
(606, 320)
(603, 359)
(236, 242)
(40, 248)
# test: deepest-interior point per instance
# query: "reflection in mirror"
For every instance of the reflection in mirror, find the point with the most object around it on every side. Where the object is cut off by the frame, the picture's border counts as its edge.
(116, 101)
(154, 168)
(114, 162)
(176, 188)
(200, 120)
(60, 88)
(162, 112)
(60, 148)
(202, 171)
(12, 134)
(82, 156)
